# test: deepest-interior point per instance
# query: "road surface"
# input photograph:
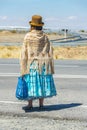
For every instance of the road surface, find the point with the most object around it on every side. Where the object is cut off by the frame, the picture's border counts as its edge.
(68, 110)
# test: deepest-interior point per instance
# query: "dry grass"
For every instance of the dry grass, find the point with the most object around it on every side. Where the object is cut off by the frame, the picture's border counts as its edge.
(7, 36)
(79, 53)
(9, 52)
(59, 52)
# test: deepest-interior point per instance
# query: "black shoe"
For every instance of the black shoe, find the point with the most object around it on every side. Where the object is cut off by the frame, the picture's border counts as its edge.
(27, 108)
(41, 108)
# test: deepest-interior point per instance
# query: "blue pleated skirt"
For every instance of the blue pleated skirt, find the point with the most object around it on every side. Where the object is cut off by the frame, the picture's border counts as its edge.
(40, 85)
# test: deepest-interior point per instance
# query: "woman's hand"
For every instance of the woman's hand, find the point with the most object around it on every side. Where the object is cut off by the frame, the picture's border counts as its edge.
(43, 54)
(32, 54)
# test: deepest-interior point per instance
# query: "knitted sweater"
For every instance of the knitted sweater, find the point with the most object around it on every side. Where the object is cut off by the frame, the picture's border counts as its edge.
(36, 46)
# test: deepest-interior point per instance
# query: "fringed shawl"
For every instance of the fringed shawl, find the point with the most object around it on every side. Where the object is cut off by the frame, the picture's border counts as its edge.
(36, 46)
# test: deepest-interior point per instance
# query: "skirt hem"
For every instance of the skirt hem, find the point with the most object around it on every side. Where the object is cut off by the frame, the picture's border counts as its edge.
(34, 98)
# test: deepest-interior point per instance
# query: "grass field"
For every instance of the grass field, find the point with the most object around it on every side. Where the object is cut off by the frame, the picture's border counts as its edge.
(79, 52)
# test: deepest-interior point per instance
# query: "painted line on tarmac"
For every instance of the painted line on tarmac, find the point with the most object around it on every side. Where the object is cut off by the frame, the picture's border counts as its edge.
(11, 102)
(62, 66)
(9, 74)
(68, 76)
(24, 102)
(64, 76)
(10, 64)
(67, 66)
(84, 106)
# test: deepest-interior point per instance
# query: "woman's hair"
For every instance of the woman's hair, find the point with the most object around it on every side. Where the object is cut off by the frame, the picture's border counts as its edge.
(36, 27)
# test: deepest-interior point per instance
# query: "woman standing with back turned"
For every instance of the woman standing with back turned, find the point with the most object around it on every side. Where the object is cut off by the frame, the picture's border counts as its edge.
(37, 64)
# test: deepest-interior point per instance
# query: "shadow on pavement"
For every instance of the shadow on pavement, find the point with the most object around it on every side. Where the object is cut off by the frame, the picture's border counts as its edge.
(54, 107)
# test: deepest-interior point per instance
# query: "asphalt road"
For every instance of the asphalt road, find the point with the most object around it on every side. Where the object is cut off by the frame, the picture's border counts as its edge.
(69, 105)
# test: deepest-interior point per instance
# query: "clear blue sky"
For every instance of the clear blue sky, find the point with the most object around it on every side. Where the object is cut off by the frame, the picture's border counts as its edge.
(56, 13)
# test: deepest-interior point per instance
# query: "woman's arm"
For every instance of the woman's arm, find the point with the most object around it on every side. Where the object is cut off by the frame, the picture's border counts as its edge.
(24, 57)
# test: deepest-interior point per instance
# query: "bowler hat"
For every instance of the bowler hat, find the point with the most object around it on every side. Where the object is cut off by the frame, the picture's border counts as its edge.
(36, 20)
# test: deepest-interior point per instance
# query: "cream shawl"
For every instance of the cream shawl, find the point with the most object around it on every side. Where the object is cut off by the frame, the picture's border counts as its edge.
(36, 45)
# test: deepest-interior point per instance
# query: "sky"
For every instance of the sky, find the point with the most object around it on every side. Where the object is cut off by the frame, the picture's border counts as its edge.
(57, 14)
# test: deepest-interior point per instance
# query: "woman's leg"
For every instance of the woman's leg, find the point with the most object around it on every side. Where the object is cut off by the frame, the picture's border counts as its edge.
(30, 103)
(41, 101)
(29, 106)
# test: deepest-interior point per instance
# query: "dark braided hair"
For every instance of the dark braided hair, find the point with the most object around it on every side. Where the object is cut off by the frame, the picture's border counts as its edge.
(36, 27)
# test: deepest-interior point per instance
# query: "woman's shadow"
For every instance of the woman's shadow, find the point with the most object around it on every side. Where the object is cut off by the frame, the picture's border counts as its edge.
(54, 107)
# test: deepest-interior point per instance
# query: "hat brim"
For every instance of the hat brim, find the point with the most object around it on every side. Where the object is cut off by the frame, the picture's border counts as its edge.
(35, 24)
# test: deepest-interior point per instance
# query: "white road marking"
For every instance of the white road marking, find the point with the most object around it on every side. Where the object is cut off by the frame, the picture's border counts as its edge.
(67, 66)
(10, 64)
(62, 66)
(9, 74)
(85, 106)
(65, 76)
(12, 102)
(70, 76)
(24, 102)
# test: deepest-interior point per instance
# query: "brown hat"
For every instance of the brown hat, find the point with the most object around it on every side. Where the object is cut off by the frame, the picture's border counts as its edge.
(36, 20)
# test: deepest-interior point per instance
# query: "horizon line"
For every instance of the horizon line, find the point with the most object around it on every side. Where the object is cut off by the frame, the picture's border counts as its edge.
(27, 27)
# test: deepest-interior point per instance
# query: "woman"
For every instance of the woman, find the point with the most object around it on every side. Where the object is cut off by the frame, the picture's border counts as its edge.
(37, 63)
